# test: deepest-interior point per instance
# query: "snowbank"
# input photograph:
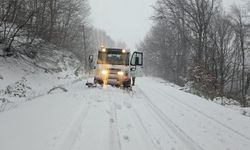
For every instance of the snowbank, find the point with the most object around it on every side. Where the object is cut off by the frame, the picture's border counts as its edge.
(21, 80)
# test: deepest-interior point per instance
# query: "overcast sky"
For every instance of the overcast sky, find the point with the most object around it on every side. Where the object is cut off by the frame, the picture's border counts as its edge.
(126, 20)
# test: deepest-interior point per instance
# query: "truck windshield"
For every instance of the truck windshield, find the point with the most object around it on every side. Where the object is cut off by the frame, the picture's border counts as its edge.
(113, 58)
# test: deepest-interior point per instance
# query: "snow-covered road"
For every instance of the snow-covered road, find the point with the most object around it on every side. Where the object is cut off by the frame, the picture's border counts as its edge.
(156, 116)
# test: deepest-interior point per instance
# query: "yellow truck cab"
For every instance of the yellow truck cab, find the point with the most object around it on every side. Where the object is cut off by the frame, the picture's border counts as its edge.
(116, 66)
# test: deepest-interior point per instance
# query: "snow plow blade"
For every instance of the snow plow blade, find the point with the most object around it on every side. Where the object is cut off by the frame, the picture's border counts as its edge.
(91, 85)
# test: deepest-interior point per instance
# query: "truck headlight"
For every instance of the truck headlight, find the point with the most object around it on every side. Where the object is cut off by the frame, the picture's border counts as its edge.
(104, 50)
(104, 72)
(120, 73)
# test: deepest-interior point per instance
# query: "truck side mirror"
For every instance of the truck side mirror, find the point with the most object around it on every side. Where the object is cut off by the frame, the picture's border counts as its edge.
(91, 58)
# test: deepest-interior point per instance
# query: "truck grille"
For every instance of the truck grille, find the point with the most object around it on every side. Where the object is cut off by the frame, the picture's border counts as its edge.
(113, 73)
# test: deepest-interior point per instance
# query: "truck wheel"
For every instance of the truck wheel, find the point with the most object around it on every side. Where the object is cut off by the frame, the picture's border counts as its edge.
(95, 81)
(127, 83)
(98, 81)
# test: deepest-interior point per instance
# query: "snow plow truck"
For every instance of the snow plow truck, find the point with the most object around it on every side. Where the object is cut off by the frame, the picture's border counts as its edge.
(116, 66)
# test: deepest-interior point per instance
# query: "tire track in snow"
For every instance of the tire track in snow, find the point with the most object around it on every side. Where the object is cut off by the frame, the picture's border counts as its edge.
(156, 138)
(180, 102)
(70, 134)
(188, 141)
(151, 132)
(136, 119)
(150, 135)
(141, 134)
(94, 132)
(115, 143)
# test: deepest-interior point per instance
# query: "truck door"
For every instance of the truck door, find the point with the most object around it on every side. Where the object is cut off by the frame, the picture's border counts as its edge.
(136, 64)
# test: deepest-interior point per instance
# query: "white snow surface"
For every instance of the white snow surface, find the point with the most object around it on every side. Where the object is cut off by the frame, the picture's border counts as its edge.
(155, 116)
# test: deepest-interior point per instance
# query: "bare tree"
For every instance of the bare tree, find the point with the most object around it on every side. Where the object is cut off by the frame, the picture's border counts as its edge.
(240, 29)
(55, 21)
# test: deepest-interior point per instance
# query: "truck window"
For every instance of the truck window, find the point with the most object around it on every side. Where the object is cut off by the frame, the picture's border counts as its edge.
(113, 58)
(139, 55)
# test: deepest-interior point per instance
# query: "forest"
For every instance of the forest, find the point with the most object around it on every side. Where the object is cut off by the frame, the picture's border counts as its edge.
(200, 44)
(26, 26)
